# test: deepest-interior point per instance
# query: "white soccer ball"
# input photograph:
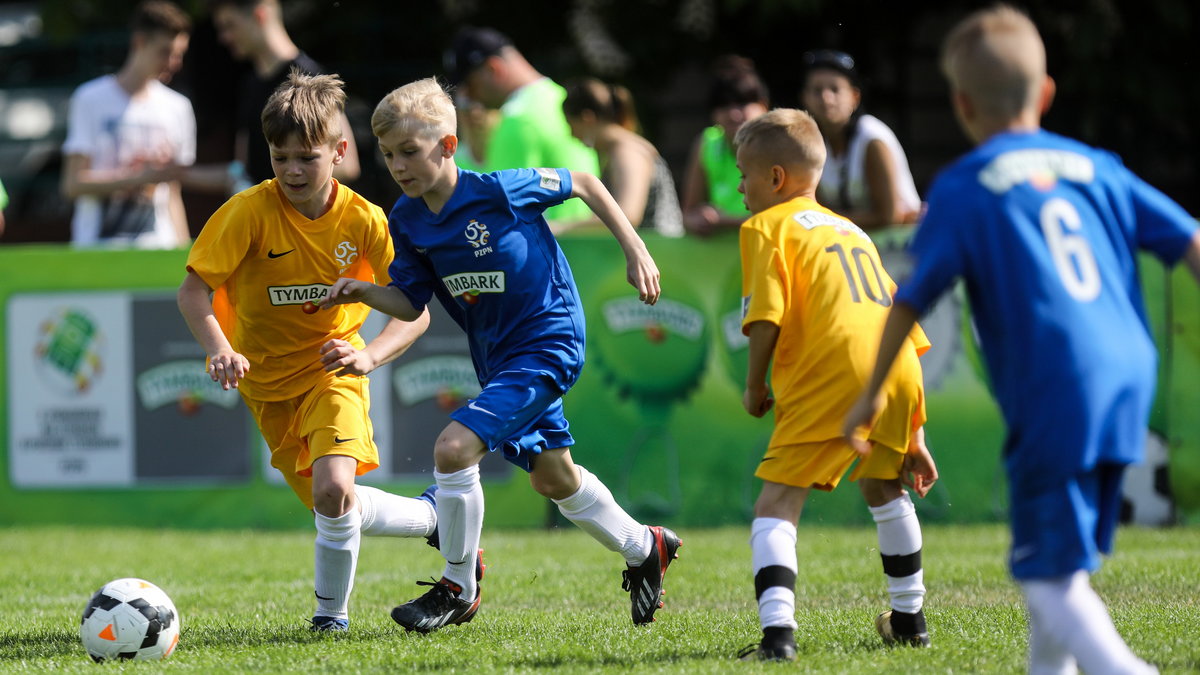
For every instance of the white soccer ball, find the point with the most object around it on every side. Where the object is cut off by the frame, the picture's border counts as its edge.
(1146, 493)
(129, 619)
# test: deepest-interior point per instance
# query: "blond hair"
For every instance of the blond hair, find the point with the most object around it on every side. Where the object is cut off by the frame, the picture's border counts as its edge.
(783, 136)
(996, 57)
(419, 108)
(308, 107)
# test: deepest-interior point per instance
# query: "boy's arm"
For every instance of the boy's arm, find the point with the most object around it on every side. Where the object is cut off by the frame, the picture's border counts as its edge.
(387, 299)
(225, 366)
(395, 339)
(640, 268)
(1192, 256)
(757, 398)
(899, 323)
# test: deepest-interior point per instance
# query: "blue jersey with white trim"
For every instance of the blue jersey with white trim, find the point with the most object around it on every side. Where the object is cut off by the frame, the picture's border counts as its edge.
(1044, 231)
(493, 263)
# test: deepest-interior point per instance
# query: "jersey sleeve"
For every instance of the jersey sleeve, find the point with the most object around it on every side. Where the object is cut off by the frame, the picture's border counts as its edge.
(185, 154)
(223, 243)
(1163, 226)
(532, 191)
(81, 138)
(936, 249)
(411, 273)
(763, 282)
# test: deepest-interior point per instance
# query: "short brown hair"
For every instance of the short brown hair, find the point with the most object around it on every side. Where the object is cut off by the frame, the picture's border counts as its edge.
(308, 107)
(420, 107)
(160, 16)
(997, 58)
(784, 136)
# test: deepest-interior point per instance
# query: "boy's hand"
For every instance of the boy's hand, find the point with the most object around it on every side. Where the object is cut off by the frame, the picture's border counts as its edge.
(919, 472)
(865, 409)
(643, 275)
(226, 368)
(758, 400)
(341, 356)
(344, 291)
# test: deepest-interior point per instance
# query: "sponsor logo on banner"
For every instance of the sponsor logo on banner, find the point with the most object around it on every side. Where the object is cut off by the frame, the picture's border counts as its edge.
(182, 381)
(630, 314)
(436, 377)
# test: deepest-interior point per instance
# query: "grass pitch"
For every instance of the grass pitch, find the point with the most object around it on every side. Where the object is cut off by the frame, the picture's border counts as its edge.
(553, 601)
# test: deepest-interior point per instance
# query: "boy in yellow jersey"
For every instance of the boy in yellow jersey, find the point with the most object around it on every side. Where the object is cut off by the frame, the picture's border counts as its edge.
(254, 276)
(815, 300)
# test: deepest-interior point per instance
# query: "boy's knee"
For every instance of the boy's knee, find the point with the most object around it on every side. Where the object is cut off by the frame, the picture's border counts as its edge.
(456, 450)
(332, 499)
(879, 491)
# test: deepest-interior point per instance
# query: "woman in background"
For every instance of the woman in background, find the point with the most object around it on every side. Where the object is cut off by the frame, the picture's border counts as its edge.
(603, 118)
(866, 176)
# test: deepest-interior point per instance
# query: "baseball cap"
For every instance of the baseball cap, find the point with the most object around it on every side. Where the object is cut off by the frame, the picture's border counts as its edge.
(471, 47)
(833, 60)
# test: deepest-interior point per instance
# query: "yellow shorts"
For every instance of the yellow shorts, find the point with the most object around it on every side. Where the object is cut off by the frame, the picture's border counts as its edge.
(331, 419)
(821, 465)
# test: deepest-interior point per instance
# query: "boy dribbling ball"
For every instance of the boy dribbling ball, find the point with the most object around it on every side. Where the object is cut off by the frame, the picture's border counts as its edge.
(1044, 232)
(250, 275)
(816, 296)
(480, 244)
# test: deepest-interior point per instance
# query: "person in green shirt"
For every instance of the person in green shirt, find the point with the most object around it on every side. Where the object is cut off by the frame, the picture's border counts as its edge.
(711, 201)
(531, 130)
(3, 205)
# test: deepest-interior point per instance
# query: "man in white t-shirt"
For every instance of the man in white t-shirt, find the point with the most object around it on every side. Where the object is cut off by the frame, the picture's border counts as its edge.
(129, 137)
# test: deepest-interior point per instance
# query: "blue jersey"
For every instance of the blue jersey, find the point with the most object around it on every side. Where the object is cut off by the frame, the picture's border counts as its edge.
(491, 260)
(1044, 231)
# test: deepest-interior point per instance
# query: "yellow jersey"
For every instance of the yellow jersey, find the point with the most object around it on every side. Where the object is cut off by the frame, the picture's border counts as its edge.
(818, 277)
(265, 261)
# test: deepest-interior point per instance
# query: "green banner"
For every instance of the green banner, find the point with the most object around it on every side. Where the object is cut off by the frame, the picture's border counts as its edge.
(107, 422)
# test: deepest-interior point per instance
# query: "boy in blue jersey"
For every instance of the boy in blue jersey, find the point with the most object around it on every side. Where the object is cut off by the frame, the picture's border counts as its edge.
(1044, 232)
(479, 243)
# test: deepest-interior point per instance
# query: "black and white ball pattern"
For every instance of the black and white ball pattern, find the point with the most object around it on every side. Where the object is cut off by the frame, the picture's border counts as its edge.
(129, 619)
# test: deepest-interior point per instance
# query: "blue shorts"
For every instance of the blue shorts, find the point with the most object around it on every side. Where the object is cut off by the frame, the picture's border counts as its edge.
(1066, 527)
(520, 413)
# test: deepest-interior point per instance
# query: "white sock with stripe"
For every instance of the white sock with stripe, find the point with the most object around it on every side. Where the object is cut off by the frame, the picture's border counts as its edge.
(460, 525)
(900, 548)
(773, 557)
(335, 557)
(594, 510)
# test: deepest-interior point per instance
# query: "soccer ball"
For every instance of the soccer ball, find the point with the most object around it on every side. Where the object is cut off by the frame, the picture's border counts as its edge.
(129, 619)
(1146, 493)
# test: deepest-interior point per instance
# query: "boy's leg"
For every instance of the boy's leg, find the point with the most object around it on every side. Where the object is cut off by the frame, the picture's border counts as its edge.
(774, 561)
(1066, 612)
(584, 500)
(387, 515)
(900, 545)
(339, 526)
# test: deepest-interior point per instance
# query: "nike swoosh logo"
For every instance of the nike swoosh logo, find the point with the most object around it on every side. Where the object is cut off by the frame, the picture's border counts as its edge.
(472, 406)
(339, 441)
(272, 254)
(321, 596)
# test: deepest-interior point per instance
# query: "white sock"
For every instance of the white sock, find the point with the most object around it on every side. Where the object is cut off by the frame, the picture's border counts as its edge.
(1067, 612)
(900, 547)
(460, 525)
(594, 510)
(773, 556)
(387, 515)
(336, 555)
(1047, 656)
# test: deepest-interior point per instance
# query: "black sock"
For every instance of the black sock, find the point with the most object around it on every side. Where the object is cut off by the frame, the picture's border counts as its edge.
(777, 636)
(908, 624)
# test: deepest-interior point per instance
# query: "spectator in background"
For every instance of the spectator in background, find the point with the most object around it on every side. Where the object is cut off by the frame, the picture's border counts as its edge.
(866, 173)
(603, 117)
(711, 202)
(129, 137)
(253, 30)
(475, 124)
(531, 130)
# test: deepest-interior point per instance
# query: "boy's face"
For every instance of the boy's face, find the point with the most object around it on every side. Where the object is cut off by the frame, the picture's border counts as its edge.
(418, 162)
(758, 180)
(306, 174)
(732, 117)
(160, 53)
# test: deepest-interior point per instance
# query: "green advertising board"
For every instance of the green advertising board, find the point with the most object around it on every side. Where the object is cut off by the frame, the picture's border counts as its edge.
(657, 413)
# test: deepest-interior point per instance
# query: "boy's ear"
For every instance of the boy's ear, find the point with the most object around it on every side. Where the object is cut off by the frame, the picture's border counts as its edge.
(449, 145)
(962, 105)
(339, 151)
(1046, 97)
(778, 177)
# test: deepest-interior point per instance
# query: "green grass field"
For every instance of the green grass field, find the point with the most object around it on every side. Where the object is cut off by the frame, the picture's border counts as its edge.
(552, 601)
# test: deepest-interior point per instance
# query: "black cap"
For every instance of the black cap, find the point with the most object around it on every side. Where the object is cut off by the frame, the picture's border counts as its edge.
(832, 60)
(472, 46)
